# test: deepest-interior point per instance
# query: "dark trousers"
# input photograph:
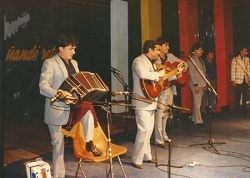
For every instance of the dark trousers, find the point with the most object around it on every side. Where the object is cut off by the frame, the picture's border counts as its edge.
(241, 89)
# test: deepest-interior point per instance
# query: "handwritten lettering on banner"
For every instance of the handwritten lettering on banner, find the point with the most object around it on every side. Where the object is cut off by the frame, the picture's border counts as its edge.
(19, 54)
(10, 28)
(15, 54)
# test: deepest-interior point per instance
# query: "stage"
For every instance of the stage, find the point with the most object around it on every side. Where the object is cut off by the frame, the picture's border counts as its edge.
(188, 158)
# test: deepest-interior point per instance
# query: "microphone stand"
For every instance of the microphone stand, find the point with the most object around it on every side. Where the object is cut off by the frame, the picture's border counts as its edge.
(147, 100)
(203, 77)
(169, 152)
(118, 74)
(210, 140)
(211, 91)
(106, 107)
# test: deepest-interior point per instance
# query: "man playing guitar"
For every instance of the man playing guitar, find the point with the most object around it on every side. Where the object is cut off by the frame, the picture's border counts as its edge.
(145, 74)
(166, 96)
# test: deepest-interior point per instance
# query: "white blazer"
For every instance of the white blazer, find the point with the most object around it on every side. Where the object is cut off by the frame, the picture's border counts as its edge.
(142, 68)
(53, 73)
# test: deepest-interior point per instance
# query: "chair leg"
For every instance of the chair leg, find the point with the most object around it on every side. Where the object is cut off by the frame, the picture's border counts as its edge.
(80, 166)
(121, 166)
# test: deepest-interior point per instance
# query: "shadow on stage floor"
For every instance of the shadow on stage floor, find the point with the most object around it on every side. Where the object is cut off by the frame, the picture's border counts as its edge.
(194, 152)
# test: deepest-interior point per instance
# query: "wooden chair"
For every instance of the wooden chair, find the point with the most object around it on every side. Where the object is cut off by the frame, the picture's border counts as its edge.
(102, 143)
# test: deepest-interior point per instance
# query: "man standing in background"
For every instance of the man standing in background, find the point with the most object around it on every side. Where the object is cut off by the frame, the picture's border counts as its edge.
(240, 71)
(197, 83)
(211, 77)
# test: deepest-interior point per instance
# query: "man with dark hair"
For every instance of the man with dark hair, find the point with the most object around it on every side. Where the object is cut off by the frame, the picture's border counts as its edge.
(167, 95)
(197, 83)
(240, 71)
(211, 77)
(144, 67)
(54, 71)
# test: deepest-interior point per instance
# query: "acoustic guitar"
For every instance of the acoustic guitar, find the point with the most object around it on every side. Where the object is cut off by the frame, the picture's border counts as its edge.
(180, 79)
(152, 89)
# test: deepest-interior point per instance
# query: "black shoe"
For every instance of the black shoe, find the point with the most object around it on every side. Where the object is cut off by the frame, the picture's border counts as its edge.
(169, 141)
(162, 145)
(94, 150)
(200, 124)
(138, 166)
(204, 113)
(150, 161)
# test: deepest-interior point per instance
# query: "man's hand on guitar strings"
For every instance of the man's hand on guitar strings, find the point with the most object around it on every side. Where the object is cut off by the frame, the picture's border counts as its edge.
(181, 68)
(162, 72)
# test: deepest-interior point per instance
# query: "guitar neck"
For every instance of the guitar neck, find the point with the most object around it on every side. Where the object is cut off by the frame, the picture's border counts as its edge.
(169, 74)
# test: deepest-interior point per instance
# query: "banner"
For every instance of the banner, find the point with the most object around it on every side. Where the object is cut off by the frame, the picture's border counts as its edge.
(31, 29)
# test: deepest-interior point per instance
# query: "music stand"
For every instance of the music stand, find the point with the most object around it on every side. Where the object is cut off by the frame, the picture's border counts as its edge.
(210, 140)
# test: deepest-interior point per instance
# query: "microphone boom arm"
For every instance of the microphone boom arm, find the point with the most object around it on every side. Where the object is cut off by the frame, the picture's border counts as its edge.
(147, 100)
(118, 74)
(112, 103)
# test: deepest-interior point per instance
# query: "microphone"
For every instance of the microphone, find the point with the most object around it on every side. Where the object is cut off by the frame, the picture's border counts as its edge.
(112, 68)
(56, 97)
(115, 71)
(115, 93)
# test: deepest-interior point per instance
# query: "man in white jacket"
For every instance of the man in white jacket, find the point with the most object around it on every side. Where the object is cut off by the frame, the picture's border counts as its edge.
(144, 67)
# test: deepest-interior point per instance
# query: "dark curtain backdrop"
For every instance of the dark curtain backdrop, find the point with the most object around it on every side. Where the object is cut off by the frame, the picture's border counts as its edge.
(241, 18)
(134, 35)
(90, 20)
(170, 30)
(34, 26)
(206, 24)
(170, 24)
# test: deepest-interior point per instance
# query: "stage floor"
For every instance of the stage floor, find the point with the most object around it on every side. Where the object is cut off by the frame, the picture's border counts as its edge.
(193, 153)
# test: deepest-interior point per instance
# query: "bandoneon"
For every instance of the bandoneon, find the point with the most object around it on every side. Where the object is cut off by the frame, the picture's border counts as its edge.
(86, 86)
